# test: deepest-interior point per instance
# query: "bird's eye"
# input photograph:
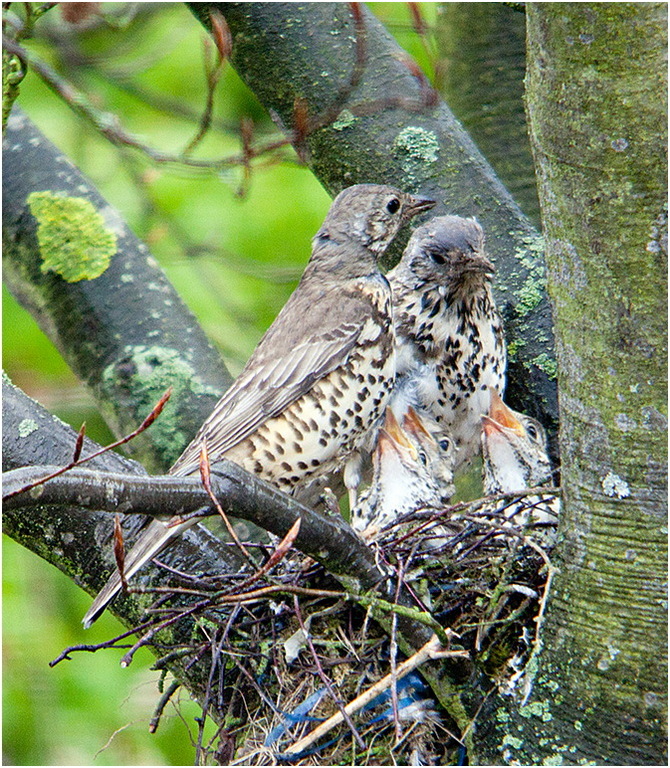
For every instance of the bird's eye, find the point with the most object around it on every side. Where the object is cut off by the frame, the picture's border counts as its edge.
(437, 257)
(423, 458)
(444, 444)
(393, 205)
(532, 432)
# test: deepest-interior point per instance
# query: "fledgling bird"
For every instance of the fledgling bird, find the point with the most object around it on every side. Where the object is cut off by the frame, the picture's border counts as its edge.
(412, 468)
(319, 379)
(515, 458)
(449, 332)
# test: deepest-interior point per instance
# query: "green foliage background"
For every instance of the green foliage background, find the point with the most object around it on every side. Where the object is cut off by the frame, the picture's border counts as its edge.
(235, 260)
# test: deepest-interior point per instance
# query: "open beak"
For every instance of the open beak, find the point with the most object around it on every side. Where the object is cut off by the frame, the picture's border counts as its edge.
(412, 423)
(393, 436)
(501, 415)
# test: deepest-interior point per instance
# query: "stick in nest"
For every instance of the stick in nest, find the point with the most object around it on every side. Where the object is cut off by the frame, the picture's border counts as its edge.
(431, 650)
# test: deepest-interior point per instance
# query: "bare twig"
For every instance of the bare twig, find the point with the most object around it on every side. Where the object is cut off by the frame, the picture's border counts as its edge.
(431, 650)
(324, 678)
(213, 72)
(162, 703)
(148, 421)
(206, 477)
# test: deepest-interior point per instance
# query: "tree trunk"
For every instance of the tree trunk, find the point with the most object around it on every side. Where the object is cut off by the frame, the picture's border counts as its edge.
(596, 102)
(481, 68)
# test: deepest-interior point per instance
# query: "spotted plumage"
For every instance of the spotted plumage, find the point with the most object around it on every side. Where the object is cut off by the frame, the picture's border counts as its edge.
(412, 468)
(320, 378)
(449, 332)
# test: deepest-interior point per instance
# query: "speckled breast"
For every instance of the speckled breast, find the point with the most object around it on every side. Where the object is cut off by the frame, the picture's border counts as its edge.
(316, 434)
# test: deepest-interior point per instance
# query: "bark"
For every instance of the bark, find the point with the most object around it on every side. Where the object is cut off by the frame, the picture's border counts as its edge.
(481, 68)
(327, 539)
(126, 333)
(597, 85)
(384, 131)
(78, 541)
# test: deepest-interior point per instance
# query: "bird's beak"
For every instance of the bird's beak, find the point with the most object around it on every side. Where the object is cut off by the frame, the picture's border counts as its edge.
(393, 436)
(501, 416)
(491, 427)
(412, 423)
(418, 205)
(479, 262)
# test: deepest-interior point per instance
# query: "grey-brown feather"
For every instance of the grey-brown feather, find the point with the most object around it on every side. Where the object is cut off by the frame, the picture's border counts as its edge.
(335, 327)
(312, 336)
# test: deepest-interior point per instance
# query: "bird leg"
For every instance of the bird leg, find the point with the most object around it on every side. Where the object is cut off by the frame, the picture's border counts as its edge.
(352, 476)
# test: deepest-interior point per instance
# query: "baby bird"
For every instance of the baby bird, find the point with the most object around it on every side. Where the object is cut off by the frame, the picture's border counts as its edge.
(515, 457)
(449, 334)
(412, 468)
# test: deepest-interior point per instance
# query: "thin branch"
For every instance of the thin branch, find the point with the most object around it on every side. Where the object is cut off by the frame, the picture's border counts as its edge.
(324, 678)
(77, 461)
(162, 703)
(431, 650)
(329, 540)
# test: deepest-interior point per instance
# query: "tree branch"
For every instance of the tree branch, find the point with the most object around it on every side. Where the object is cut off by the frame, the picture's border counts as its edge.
(112, 487)
(126, 333)
(78, 541)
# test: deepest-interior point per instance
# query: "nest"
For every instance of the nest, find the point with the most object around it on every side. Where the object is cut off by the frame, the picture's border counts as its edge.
(287, 648)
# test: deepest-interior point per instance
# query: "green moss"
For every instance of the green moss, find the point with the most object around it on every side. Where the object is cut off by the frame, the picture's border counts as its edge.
(344, 120)
(514, 346)
(546, 364)
(529, 296)
(537, 709)
(27, 427)
(12, 74)
(502, 716)
(511, 741)
(73, 239)
(416, 147)
(153, 370)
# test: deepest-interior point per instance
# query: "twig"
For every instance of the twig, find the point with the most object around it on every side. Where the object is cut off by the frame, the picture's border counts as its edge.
(216, 661)
(224, 45)
(155, 412)
(431, 650)
(128, 657)
(109, 125)
(423, 617)
(91, 648)
(162, 703)
(206, 477)
(324, 678)
(394, 659)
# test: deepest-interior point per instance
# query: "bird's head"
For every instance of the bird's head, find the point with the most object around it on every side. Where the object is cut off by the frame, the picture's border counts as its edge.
(435, 450)
(514, 449)
(369, 215)
(447, 250)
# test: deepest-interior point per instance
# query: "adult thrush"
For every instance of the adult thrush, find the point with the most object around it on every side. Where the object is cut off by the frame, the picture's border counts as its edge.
(412, 468)
(318, 381)
(449, 333)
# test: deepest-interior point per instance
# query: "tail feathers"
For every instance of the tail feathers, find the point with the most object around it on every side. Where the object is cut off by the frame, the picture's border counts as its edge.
(153, 539)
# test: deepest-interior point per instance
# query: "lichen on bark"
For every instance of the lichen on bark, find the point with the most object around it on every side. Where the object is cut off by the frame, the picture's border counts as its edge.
(596, 104)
